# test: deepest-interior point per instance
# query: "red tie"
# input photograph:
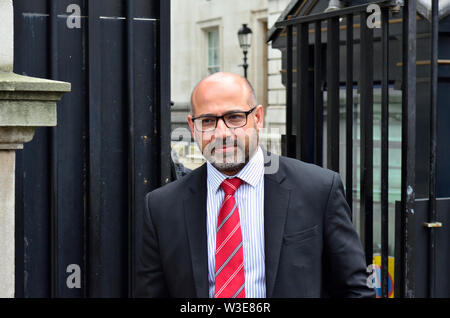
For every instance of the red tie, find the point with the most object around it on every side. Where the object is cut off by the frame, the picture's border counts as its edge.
(229, 281)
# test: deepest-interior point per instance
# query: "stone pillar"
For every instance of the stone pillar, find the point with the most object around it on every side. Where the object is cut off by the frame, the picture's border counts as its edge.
(7, 170)
(6, 35)
(25, 103)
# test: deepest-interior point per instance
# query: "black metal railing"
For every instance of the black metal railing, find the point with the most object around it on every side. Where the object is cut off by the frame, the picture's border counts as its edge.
(298, 125)
(81, 185)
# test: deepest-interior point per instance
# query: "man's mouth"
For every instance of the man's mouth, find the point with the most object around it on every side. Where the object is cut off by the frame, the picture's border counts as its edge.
(225, 148)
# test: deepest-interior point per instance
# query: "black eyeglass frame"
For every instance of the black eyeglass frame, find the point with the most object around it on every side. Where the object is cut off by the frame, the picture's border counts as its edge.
(223, 119)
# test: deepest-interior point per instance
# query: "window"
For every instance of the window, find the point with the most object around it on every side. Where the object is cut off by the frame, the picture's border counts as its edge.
(213, 51)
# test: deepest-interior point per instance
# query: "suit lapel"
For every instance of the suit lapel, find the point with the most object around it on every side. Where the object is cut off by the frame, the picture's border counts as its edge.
(195, 218)
(276, 202)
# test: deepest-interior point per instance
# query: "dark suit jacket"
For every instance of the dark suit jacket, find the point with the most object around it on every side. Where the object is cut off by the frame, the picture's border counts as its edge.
(311, 247)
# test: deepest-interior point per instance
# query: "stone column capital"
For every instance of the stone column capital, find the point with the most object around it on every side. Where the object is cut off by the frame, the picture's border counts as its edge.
(26, 103)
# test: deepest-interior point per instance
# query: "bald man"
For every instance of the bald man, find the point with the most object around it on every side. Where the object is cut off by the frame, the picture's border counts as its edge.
(235, 227)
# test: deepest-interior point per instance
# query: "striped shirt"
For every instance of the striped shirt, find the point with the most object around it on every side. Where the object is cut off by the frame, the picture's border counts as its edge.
(250, 200)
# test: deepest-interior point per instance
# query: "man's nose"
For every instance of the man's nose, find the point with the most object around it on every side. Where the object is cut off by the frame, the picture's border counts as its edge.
(222, 129)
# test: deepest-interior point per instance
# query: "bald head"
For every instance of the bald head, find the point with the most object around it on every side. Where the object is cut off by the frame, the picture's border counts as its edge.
(222, 85)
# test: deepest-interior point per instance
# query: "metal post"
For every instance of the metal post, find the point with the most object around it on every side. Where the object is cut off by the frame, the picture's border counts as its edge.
(408, 148)
(384, 151)
(333, 106)
(53, 34)
(433, 139)
(95, 196)
(131, 148)
(366, 89)
(349, 113)
(289, 146)
(318, 96)
(302, 119)
(245, 65)
(164, 90)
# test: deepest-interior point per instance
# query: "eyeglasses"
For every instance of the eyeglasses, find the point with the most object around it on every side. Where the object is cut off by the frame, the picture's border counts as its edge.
(235, 119)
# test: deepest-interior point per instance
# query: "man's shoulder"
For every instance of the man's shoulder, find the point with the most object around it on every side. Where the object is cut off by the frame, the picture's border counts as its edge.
(304, 176)
(177, 187)
(298, 168)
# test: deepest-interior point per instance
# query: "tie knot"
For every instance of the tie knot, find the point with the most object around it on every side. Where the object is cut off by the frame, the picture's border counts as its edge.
(230, 186)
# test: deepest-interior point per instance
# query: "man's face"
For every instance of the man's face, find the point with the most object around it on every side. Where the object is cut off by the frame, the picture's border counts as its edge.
(227, 149)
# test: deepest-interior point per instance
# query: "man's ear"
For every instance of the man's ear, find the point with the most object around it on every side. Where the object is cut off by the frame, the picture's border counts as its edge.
(259, 117)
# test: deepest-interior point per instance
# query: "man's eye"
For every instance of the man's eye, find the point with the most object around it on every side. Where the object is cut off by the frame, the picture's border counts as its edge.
(207, 121)
(235, 117)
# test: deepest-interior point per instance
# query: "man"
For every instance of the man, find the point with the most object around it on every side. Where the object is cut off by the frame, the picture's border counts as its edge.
(228, 229)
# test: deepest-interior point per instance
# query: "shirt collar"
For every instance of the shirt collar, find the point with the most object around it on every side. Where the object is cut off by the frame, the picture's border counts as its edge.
(251, 173)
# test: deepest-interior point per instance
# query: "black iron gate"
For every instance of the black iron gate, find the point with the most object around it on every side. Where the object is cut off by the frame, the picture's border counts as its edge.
(80, 186)
(417, 220)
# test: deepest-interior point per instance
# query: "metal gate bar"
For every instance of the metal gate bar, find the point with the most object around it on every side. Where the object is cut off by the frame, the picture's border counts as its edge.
(289, 148)
(366, 167)
(333, 93)
(131, 141)
(349, 112)
(432, 152)
(53, 62)
(384, 151)
(303, 89)
(164, 92)
(408, 191)
(318, 95)
(95, 145)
